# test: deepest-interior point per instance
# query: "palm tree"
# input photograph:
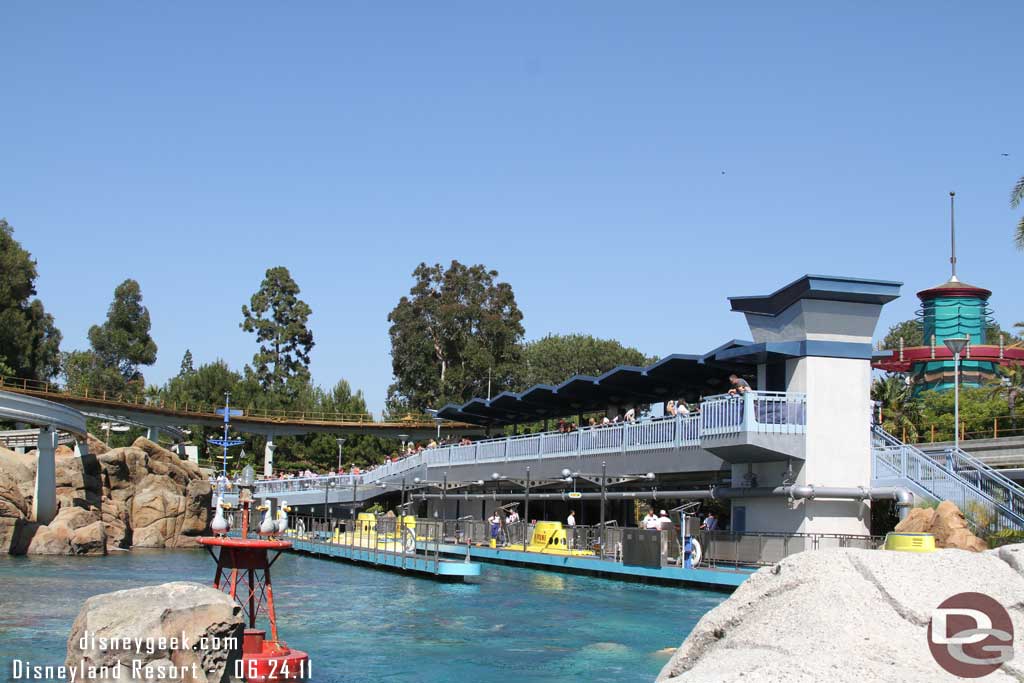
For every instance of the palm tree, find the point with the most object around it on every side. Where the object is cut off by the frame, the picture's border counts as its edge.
(1016, 197)
(900, 412)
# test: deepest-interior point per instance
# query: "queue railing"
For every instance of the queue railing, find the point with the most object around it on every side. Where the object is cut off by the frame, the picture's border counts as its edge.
(727, 414)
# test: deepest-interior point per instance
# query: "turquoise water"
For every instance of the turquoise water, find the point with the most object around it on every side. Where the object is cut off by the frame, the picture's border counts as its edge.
(362, 625)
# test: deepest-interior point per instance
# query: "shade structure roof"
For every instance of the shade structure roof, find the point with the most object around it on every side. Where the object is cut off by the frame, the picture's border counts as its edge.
(825, 287)
(676, 376)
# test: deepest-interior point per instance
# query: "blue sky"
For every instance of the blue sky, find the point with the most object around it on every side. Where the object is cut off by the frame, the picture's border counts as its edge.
(625, 166)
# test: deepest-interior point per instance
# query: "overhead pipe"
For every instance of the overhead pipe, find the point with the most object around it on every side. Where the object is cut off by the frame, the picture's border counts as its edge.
(903, 497)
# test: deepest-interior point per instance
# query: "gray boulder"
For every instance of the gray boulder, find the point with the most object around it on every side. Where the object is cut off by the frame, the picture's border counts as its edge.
(844, 615)
(201, 628)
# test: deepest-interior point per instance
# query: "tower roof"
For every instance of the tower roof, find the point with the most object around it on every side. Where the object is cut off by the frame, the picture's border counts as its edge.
(954, 287)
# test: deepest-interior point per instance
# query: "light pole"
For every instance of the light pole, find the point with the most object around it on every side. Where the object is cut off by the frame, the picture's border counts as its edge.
(956, 346)
(328, 485)
(341, 442)
(355, 491)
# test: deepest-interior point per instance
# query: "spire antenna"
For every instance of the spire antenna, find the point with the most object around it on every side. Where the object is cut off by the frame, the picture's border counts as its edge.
(952, 236)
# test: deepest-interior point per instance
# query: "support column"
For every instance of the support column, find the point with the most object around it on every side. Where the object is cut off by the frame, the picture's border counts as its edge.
(44, 502)
(153, 434)
(21, 425)
(268, 456)
(82, 448)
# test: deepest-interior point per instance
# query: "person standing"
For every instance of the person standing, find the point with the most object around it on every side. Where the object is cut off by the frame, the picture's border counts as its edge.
(739, 385)
(570, 532)
(664, 521)
(511, 528)
(651, 520)
(495, 521)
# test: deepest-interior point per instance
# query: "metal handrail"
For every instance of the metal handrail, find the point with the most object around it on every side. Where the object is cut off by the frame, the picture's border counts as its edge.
(43, 388)
(945, 481)
(768, 412)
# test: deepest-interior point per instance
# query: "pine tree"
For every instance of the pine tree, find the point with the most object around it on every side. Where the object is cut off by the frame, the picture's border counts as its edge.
(279, 319)
(187, 368)
(123, 341)
(119, 346)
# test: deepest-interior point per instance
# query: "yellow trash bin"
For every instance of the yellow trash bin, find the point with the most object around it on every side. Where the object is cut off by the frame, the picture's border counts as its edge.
(910, 543)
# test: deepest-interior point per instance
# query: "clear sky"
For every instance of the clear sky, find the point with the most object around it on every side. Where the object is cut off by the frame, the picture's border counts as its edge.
(625, 166)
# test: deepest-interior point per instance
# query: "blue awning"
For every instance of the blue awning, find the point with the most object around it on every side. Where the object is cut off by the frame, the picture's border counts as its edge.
(676, 376)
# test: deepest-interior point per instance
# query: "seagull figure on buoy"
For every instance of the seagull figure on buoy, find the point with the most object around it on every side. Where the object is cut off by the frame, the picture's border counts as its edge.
(220, 526)
(267, 527)
(282, 517)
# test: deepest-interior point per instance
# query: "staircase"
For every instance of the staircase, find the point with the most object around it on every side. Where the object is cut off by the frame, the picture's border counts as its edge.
(989, 501)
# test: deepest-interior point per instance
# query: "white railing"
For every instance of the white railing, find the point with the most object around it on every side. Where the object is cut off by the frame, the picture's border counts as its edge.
(760, 411)
(766, 412)
(300, 484)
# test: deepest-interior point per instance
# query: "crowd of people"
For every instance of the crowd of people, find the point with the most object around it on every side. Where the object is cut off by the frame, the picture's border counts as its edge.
(673, 408)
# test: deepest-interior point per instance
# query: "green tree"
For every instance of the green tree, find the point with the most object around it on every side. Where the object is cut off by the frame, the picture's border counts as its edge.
(458, 331)
(554, 358)
(993, 332)
(899, 411)
(279, 319)
(911, 331)
(119, 346)
(123, 340)
(29, 340)
(978, 409)
(1016, 197)
(187, 367)
(85, 373)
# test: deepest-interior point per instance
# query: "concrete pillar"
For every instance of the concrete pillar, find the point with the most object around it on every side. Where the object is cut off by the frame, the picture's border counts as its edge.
(81, 448)
(268, 456)
(44, 502)
(153, 434)
(822, 326)
(21, 425)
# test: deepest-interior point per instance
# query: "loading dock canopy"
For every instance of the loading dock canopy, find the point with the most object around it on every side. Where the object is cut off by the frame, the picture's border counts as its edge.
(676, 376)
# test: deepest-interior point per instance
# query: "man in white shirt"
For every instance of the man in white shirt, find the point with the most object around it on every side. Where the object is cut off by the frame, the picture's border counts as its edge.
(650, 521)
(495, 521)
(664, 521)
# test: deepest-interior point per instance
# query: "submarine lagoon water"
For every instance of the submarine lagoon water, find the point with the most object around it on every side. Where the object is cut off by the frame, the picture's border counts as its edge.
(361, 625)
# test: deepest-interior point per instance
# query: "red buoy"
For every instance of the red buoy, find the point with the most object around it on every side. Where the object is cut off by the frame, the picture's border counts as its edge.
(243, 571)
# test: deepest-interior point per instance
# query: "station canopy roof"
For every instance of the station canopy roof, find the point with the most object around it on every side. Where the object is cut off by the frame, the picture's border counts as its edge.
(672, 377)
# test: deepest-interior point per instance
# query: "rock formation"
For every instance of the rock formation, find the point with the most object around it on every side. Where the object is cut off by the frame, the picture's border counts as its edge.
(946, 523)
(202, 628)
(845, 615)
(140, 496)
